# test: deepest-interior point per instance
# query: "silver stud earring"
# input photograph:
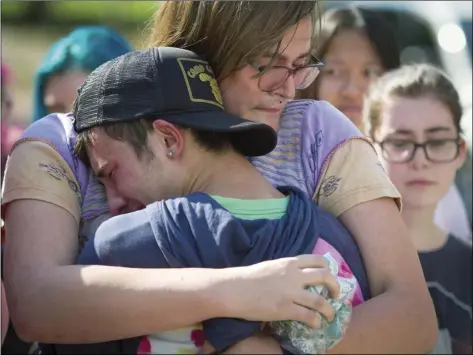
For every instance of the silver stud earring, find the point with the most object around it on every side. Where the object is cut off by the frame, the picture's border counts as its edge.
(171, 153)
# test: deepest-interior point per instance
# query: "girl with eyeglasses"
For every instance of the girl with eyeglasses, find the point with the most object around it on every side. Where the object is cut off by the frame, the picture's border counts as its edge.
(413, 116)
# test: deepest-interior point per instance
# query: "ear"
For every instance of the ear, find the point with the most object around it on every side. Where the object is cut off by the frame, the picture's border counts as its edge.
(462, 153)
(170, 136)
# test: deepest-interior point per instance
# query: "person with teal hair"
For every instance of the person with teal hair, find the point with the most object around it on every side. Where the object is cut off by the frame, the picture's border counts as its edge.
(68, 62)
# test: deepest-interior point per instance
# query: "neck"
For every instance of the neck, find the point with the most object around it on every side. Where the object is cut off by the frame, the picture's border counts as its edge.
(228, 174)
(422, 228)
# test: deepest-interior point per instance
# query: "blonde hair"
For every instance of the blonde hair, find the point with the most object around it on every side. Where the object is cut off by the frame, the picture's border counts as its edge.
(229, 34)
(410, 81)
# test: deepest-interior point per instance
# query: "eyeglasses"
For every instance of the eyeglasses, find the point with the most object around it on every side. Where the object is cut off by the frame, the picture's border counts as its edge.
(273, 77)
(435, 150)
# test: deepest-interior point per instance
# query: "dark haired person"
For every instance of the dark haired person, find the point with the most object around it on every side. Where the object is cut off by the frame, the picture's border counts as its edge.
(357, 45)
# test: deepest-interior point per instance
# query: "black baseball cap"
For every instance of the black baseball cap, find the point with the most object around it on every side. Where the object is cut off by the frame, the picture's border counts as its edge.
(171, 84)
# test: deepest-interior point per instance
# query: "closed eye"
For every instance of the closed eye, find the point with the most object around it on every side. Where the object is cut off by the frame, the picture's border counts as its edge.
(331, 71)
(400, 143)
(438, 142)
(372, 73)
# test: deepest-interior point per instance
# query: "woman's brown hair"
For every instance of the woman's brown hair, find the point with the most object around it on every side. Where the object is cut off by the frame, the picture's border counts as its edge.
(229, 34)
(412, 82)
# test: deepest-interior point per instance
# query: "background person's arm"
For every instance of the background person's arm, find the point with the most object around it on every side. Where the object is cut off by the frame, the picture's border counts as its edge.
(400, 318)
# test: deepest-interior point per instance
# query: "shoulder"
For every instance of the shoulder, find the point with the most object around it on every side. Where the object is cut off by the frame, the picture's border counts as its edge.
(460, 250)
(320, 123)
(24, 148)
(197, 211)
(353, 175)
(37, 157)
(197, 201)
(452, 263)
(54, 125)
(125, 240)
(315, 110)
(36, 170)
(181, 212)
(56, 130)
(123, 227)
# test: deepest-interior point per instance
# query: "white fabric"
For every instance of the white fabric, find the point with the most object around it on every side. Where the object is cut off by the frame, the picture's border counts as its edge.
(451, 215)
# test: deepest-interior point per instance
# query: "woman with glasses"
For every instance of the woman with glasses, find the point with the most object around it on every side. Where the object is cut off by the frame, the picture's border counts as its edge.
(55, 301)
(413, 116)
(260, 61)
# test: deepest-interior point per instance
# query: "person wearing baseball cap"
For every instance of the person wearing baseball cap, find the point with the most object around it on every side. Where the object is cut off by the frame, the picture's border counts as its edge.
(170, 84)
(153, 128)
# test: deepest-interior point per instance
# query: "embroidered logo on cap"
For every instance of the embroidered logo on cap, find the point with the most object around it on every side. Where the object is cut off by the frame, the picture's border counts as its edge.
(201, 84)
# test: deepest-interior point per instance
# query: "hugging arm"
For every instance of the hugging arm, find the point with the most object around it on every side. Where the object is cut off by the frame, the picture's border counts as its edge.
(53, 301)
(364, 200)
(50, 299)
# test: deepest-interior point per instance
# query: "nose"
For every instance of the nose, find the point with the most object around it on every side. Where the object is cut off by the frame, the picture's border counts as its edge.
(354, 86)
(116, 203)
(419, 160)
(288, 89)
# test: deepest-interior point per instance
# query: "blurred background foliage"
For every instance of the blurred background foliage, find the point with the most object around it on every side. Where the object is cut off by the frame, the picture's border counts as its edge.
(28, 28)
(72, 13)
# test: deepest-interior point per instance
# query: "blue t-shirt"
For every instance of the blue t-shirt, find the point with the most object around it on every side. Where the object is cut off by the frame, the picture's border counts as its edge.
(447, 271)
(197, 231)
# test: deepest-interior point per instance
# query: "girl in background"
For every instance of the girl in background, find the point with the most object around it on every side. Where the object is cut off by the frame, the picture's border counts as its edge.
(413, 116)
(67, 64)
(357, 46)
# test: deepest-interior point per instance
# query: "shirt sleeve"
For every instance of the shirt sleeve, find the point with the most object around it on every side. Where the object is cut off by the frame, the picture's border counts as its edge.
(353, 175)
(35, 170)
(126, 240)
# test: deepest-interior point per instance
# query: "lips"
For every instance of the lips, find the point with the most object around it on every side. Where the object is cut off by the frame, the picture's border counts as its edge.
(271, 110)
(420, 183)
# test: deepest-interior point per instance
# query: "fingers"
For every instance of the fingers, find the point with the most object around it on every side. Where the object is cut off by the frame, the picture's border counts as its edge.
(310, 261)
(304, 315)
(315, 302)
(322, 277)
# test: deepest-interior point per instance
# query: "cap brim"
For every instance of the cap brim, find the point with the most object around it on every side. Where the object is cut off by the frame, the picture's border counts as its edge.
(249, 138)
